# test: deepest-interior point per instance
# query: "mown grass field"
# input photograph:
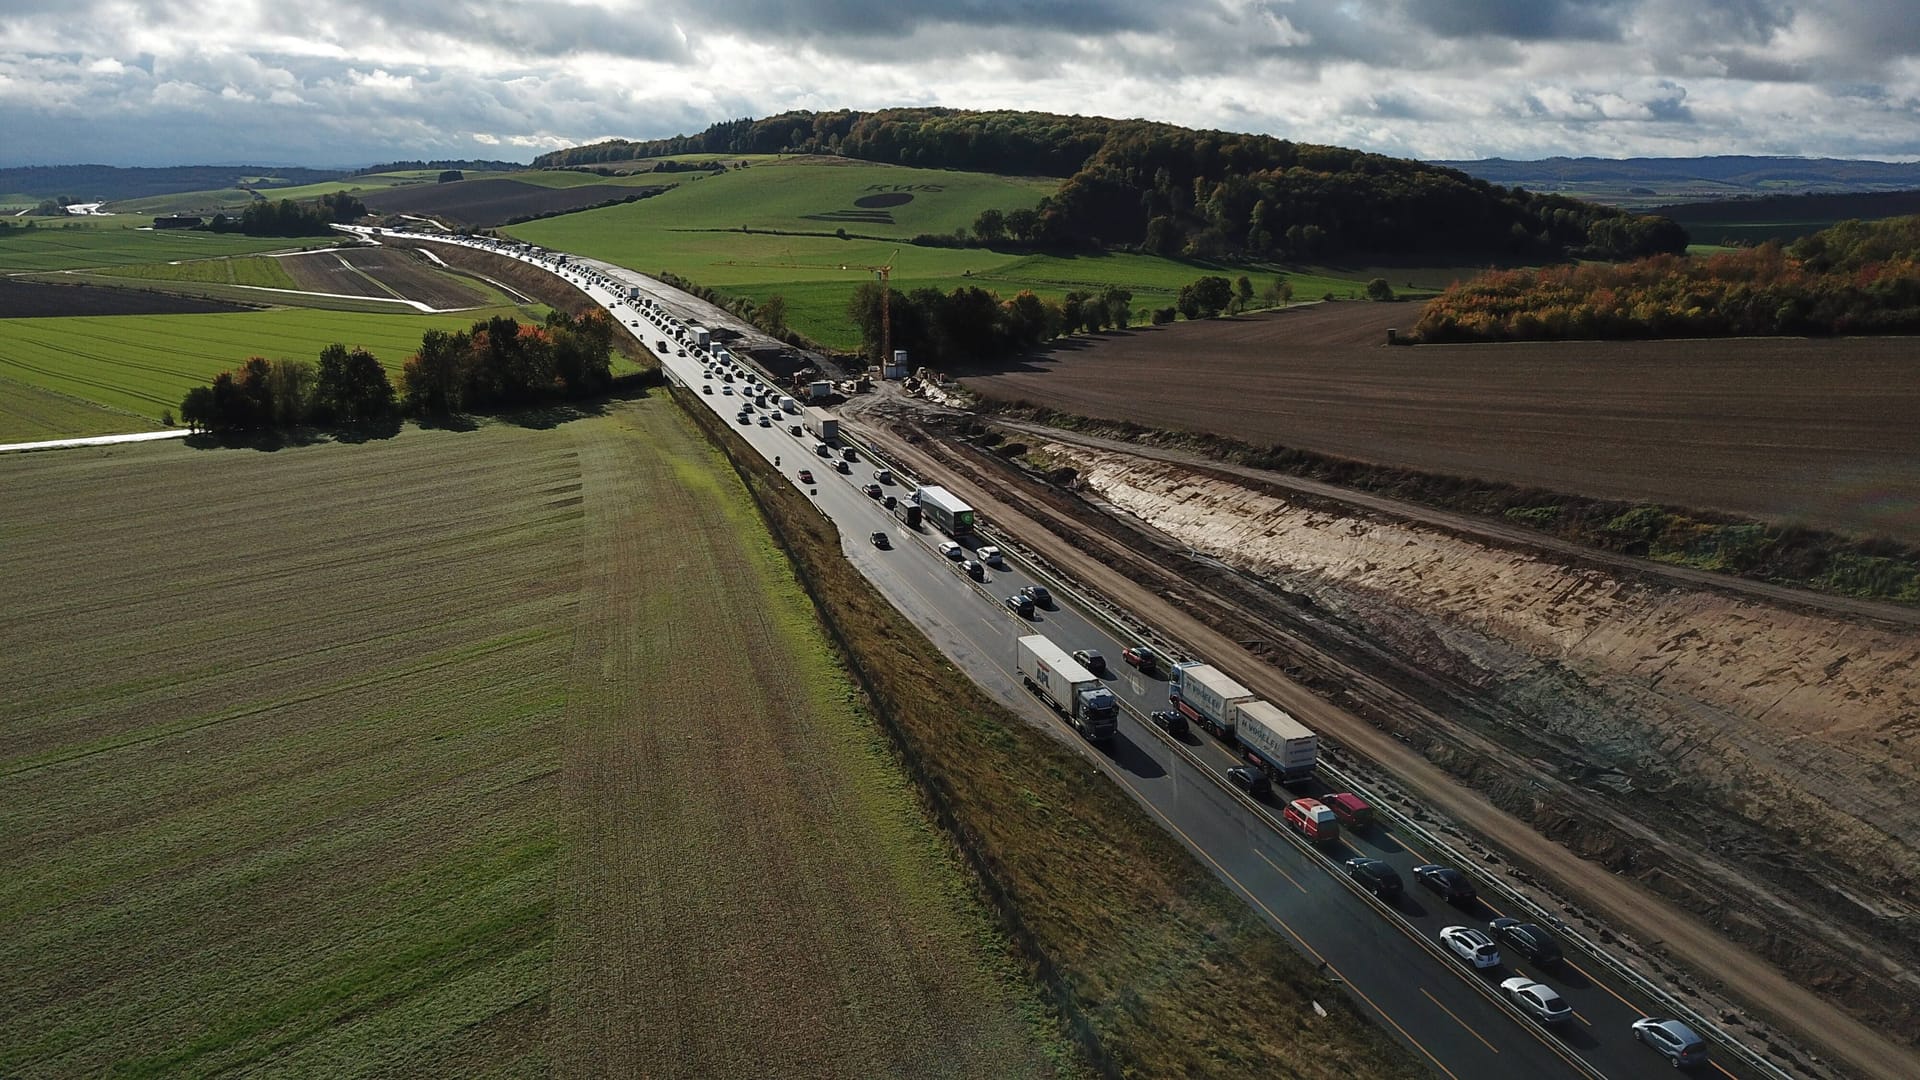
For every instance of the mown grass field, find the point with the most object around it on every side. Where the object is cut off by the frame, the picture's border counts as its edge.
(30, 414)
(68, 246)
(258, 271)
(695, 231)
(144, 364)
(505, 752)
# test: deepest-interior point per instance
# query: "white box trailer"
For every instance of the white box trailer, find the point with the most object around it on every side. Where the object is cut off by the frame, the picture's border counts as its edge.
(1207, 696)
(1287, 747)
(821, 424)
(1060, 681)
(945, 510)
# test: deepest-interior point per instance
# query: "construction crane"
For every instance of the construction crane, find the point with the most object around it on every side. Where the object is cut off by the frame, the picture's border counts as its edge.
(885, 274)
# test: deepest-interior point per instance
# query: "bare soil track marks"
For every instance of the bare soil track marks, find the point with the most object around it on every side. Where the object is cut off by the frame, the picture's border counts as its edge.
(385, 273)
(492, 202)
(440, 754)
(1819, 432)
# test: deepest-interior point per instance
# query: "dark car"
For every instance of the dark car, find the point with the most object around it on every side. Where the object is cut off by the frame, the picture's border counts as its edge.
(1449, 884)
(841, 466)
(1091, 660)
(1039, 595)
(890, 502)
(806, 476)
(1526, 939)
(880, 541)
(1020, 605)
(1169, 721)
(1375, 876)
(873, 490)
(974, 570)
(1250, 780)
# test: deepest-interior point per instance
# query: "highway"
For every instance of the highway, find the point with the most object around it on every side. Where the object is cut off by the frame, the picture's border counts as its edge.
(1387, 958)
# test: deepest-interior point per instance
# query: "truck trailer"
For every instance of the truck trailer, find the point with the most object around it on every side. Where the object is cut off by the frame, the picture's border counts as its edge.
(1072, 690)
(1287, 747)
(1207, 695)
(948, 513)
(821, 424)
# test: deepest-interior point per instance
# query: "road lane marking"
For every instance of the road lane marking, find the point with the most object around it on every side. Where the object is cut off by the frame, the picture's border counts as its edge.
(1282, 873)
(1630, 1005)
(1462, 1023)
(1584, 1020)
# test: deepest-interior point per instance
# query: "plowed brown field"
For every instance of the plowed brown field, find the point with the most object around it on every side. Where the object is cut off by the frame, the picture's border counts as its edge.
(389, 273)
(1820, 432)
(508, 751)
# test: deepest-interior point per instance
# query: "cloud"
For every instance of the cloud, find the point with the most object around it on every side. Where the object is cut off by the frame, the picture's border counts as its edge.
(359, 81)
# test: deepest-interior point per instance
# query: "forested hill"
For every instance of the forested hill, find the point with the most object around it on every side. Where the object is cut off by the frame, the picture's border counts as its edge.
(1176, 191)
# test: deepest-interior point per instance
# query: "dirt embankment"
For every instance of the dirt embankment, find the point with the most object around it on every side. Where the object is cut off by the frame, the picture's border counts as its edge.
(1758, 762)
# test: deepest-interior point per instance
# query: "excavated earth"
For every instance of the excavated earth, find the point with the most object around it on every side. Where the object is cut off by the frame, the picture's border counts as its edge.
(1772, 750)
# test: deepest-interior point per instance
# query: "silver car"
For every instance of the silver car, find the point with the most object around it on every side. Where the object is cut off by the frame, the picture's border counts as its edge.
(1537, 1000)
(1682, 1045)
(1473, 946)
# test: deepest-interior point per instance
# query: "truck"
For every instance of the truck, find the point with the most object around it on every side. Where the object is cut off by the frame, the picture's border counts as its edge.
(910, 514)
(819, 388)
(1207, 696)
(788, 405)
(702, 337)
(1073, 691)
(1285, 746)
(821, 424)
(948, 513)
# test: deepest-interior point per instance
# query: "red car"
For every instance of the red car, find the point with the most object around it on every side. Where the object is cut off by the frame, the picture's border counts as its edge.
(806, 476)
(1353, 811)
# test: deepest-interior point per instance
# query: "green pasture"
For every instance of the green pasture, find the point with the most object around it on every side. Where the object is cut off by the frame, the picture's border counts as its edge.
(563, 178)
(144, 364)
(67, 246)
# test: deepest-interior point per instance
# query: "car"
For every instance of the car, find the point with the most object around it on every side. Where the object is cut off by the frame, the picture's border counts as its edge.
(1375, 876)
(1537, 999)
(806, 476)
(842, 467)
(974, 570)
(1682, 1045)
(1312, 819)
(1020, 605)
(823, 449)
(708, 389)
(872, 490)
(727, 390)
(952, 551)
(1471, 945)
(880, 541)
(1526, 939)
(1449, 884)
(889, 502)
(1251, 780)
(1086, 658)
(1169, 721)
(764, 422)
(1039, 595)
(745, 420)
(1353, 811)
(849, 453)
(990, 554)
(794, 429)
(1144, 657)
(883, 476)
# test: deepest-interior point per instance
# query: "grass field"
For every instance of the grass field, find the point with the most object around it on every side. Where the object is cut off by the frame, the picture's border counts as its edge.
(30, 414)
(69, 246)
(695, 231)
(257, 271)
(505, 752)
(144, 364)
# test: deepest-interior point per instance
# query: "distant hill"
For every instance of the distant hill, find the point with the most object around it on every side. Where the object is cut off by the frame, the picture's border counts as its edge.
(99, 183)
(1785, 218)
(1647, 182)
(1174, 191)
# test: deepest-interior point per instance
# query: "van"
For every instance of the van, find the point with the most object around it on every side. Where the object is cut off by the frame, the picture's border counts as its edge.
(1311, 819)
(1353, 811)
(823, 449)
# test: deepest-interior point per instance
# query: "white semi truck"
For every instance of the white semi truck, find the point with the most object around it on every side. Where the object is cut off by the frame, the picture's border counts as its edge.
(1072, 690)
(1207, 696)
(1287, 747)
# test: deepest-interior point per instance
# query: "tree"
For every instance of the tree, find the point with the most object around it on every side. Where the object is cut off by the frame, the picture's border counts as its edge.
(1119, 307)
(1209, 295)
(990, 226)
(451, 175)
(1023, 225)
(1378, 289)
(433, 377)
(197, 409)
(1162, 237)
(771, 315)
(291, 384)
(1242, 293)
(352, 387)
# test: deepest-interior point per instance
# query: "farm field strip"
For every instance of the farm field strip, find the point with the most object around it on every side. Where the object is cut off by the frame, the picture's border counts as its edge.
(31, 414)
(258, 271)
(146, 363)
(432, 765)
(72, 247)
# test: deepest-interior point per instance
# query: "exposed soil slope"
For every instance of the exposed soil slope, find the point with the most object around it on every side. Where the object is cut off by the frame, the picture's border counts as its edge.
(1783, 429)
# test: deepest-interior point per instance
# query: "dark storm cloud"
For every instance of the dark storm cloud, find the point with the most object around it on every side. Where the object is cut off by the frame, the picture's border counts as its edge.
(1522, 20)
(826, 19)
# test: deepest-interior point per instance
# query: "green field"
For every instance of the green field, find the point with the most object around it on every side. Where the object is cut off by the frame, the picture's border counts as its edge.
(120, 242)
(257, 271)
(30, 414)
(507, 752)
(144, 364)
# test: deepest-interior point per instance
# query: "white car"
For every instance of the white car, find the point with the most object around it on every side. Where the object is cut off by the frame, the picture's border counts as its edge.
(1537, 999)
(990, 554)
(1473, 946)
(951, 550)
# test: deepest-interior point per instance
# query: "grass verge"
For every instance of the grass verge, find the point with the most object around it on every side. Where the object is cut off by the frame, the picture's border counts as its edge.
(1155, 966)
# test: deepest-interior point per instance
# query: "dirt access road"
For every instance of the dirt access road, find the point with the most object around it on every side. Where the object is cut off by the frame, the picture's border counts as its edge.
(1616, 900)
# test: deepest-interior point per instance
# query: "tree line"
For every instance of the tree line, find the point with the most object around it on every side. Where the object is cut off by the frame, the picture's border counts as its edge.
(288, 218)
(1854, 278)
(1175, 191)
(495, 364)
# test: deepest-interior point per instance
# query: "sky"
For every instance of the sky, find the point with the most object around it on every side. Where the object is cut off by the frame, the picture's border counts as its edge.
(358, 82)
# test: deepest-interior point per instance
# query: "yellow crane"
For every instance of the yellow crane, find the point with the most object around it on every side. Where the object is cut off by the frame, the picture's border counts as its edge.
(885, 274)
